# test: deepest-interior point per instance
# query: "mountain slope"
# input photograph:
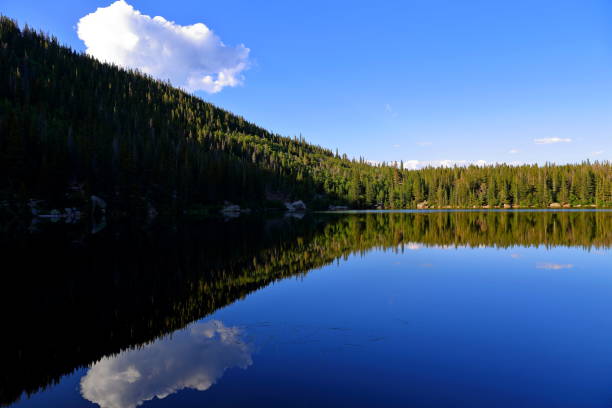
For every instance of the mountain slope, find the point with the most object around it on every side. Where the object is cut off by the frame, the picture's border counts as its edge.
(71, 126)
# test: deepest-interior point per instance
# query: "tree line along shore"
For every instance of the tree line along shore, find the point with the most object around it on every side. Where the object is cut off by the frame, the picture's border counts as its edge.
(72, 127)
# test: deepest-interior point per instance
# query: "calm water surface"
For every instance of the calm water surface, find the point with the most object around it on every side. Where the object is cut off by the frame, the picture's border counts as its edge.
(439, 309)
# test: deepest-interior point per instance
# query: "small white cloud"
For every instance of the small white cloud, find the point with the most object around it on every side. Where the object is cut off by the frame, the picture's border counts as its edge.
(597, 153)
(192, 57)
(447, 163)
(553, 266)
(396, 145)
(516, 163)
(550, 140)
(419, 164)
(411, 164)
(513, 151)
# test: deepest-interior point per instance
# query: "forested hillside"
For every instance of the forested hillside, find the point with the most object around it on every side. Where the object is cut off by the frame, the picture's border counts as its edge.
(72, 127)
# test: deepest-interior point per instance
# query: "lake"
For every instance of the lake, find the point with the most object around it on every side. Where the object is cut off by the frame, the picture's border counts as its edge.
(369, 309)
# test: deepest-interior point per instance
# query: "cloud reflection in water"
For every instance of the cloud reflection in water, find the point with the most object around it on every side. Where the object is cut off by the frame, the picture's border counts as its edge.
(192, 358)
(553, 266)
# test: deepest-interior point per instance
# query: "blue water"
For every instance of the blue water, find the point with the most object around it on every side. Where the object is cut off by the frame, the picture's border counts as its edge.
(423, 327)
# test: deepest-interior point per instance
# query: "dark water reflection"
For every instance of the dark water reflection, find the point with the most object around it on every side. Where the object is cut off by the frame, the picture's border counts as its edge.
(389, 309)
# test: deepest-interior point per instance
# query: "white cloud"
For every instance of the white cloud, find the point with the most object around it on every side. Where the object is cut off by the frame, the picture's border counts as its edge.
(516, 163)
(419, 164)
(549, 140)
(513, 151)
(553, 266)
(192, 57)
(412, 164)
(194, 358)
(597, 153)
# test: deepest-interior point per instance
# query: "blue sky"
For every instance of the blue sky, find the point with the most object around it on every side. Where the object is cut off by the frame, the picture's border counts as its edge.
(420, 81)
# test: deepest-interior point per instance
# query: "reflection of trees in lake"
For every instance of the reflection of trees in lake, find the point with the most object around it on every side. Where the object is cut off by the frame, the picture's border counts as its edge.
(94, 296)
(194, 357)
(503, 229)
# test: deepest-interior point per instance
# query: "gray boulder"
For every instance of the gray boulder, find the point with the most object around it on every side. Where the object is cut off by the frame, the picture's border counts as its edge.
(299, 205)
(230, 209)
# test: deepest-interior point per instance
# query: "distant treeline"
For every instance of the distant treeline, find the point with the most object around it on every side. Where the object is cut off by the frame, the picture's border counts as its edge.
(71, 126)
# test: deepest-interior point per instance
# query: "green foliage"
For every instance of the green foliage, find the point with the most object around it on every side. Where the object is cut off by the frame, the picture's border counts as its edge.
(68, 121)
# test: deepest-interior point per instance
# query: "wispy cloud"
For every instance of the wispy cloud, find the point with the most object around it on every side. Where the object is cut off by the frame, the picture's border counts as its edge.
(597, 153)
(553, 266)
(513, 151)
(192, 56)
(550, 140)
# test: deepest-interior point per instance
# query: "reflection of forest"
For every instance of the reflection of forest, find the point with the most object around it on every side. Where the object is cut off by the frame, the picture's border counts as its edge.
(465, 228)
(72, 298)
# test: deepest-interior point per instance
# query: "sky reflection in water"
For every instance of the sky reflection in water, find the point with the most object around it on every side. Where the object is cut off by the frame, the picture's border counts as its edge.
(412, 325)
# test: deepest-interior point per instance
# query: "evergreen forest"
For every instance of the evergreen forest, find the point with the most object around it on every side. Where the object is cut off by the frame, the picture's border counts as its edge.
(72, 127)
